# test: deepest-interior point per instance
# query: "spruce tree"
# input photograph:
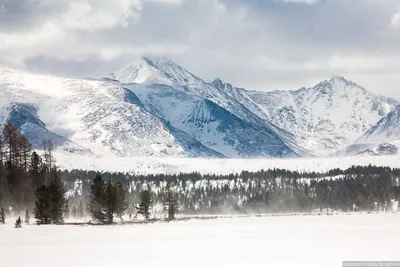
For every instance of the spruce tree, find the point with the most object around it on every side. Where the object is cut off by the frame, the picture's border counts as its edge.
(122, 203)
(110, 202)
(106, 200)
(145, 203)
(42, 205)
(18, 223)
(50, 202)
(2, 216)
(170, 201)
(27, 217)
(97, 200)
(36, 171)
(58, 199)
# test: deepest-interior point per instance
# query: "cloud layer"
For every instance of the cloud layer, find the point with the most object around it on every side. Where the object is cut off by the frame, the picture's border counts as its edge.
(258, 44)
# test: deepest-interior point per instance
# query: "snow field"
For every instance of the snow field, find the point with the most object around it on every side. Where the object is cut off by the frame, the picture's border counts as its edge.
(154, 165)
(269, 241)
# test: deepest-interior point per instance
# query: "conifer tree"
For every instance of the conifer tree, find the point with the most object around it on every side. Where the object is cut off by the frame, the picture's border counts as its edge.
(106, 200)
(27, 217)
(50, 202)
(145, 203)
(96, 201)
(36, 170)
(2, 216)
(110, 201)
(42, 205)
(2, 171)
(170, 201)
(18, 223)
(122, 203)
(58, 199)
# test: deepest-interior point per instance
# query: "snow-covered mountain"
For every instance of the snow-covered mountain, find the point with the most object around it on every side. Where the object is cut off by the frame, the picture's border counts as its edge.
(381, 139)
(99, 116)
(387, 129)
(108, 117)
(209, 123)
(157, 108)
(324, 118)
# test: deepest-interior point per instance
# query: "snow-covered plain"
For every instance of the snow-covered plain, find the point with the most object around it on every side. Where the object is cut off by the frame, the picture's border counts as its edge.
(267, 241)
(154, 165)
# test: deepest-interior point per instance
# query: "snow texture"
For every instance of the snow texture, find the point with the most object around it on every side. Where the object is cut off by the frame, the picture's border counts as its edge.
(157, 108)
(156, 165)
(268, 241)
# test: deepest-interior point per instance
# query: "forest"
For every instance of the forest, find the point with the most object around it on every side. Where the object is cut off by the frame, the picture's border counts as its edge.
(31, 183)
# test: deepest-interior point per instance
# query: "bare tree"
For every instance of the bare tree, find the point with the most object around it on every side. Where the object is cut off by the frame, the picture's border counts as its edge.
(2, 173)
(10, 137)
(48, 149)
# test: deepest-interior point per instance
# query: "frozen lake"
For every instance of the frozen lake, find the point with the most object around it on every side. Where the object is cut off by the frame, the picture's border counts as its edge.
(269, 241)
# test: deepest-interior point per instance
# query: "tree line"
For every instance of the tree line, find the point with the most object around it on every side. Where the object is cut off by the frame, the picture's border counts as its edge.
(266, 191)
(30, 182)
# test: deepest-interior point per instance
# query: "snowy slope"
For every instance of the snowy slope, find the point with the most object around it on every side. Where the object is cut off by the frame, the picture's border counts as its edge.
(163, 69)
(391, 101)
(102, 117)
(157, 108)
(387, 129)
(107, 117)
(325, 118)
(381, 139)
(209, 123)
(24, 117)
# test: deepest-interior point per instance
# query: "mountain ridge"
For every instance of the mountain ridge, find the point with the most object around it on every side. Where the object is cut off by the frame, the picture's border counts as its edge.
(158, 108)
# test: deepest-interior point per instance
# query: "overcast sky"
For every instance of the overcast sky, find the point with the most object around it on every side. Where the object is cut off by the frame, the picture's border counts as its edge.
(255, 44)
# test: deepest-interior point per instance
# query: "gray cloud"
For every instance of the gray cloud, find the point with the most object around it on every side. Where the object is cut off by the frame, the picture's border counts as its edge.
(265, 45)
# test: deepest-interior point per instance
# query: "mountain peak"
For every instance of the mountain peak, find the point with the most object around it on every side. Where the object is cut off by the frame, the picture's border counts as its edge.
(156, 70)
(157, 61)
(338, 79)
(335, 84)
(218, 82)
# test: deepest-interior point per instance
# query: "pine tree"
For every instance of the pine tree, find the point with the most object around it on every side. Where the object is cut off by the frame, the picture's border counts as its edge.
(50, 202)
(145, 203)
(106, 200)
(110, 202)
(2, 171)
(58, 199)
(42, 205)
(18, 223)
(36, 171)
(2, 216)
(27, 217)
(170, 201)
(96, 202)
(122, 203)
